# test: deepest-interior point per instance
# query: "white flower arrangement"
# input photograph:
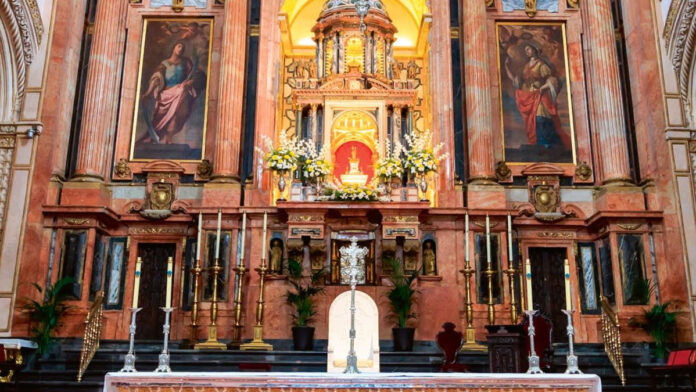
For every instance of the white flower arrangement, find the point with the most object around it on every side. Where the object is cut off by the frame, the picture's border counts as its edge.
(315, 165)
(284, 157)
(345, 192)
(390, 164)
(421, 157)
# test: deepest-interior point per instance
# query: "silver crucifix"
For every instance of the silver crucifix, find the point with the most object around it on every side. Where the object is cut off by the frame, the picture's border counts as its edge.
(353, 253)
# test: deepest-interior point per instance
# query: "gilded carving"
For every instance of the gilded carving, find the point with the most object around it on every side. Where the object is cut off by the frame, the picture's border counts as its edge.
(583, 171)
(546, 198)
(530, 7)
(556, 234)
(156, 230)
(490, 3)
(7, 141)
(629, 226)
(401, 219)
(306, 218)
(76, 221)
(161, 196)
(122, 169)
(573, 3)
(178, 5)
(483, 224)
(204, 169)
(502, 171)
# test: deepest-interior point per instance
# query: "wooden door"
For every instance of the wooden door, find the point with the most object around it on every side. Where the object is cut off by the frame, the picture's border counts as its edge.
(548, 287)
(153, 286)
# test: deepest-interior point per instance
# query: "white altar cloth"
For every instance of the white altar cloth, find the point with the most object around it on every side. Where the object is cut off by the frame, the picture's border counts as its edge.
(293, 382)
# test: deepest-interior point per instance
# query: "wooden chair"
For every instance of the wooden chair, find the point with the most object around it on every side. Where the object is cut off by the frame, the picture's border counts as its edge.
(450, 341)
(680, 365)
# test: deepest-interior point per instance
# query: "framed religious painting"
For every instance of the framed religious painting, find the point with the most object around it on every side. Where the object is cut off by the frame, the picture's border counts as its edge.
(171, 104)
(534, 86)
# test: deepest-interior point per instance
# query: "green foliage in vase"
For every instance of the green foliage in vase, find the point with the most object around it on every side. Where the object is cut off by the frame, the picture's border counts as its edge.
(47, 313)
(302, 295)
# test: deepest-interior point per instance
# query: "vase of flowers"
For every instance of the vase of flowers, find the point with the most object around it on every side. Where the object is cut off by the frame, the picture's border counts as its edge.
(422, 158)
(390, 166)
(315, 165)
(281, 158)
(352, 192)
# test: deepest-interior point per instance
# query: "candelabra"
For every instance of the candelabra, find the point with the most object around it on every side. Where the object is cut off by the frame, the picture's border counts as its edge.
(512, 274)
(212, 343)
(470, 343)
(164, 356)
(533, 357)
(240, 270)
(572, 359)
(257, 343)
(129, 362)
(352, 253)
(196, 273)
(491, 308)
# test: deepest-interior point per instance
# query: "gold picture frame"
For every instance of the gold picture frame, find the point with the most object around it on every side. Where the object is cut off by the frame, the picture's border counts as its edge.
(544, 119)
(171, 98)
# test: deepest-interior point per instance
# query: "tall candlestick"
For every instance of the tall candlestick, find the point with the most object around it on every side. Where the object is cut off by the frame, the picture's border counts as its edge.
(566, 272)
(509, 238)
(217, 239)
(466, 237)
(488, 240)
(170, 275)
(136, 284)
(241, 251)
(263, 244)
(198, 238)
(528, 277)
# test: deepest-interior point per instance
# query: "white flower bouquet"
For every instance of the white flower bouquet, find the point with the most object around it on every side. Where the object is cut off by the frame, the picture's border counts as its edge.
(283, 157)
(315, 165)
(421, 157)
(390, 164)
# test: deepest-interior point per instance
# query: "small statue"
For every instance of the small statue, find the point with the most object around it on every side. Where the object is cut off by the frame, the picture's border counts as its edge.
(312, 69)
(429, 258)
(276, 257)
(412, 70)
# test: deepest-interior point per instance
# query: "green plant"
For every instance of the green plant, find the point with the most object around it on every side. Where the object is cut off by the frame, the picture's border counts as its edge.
(642, 291)
(660, 324)
(48, 312)
(302, 296)
(401, 294)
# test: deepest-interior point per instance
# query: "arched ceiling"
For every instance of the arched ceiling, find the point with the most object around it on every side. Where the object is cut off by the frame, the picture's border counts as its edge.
(407, 16)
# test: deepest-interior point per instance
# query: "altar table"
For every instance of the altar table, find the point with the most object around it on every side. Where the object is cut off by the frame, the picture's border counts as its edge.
(324, 382)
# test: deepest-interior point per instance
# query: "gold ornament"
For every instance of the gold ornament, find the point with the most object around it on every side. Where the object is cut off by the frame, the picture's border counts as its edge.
(161, 196)
(204, 169)
(583, 171)
(546, 198)
(502, 171)
(122, 169)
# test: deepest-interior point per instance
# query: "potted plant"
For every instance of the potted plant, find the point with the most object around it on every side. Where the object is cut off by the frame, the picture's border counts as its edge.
(47, 313)
(401, 300)
(301, 298)
(657, 321)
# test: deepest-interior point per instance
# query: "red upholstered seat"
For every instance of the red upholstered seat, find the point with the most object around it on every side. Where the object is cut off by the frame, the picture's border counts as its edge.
(254, 367)
(679, 358)
(450, 341)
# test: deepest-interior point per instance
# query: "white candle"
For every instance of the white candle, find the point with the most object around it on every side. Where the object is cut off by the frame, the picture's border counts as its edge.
(136, 284)
(198, 238)
(466, 237)
(241, 252)
(217, 239)
(170, 275)
(510, 239)
(488, 241)
(566, 268)
(263, 244)
(528, 277)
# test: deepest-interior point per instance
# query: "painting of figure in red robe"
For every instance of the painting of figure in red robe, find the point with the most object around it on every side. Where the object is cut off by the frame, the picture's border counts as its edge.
(535, 93)
(171, 99)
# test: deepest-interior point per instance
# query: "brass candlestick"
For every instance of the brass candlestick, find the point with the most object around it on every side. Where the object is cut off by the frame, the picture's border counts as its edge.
(196, 272)
(470, 343)
(491, 309)
(212, 343)
(240, 270)
(512, 274)
(257, 343)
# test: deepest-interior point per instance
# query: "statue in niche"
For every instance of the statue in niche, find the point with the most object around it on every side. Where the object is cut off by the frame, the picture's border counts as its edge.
(276, 257)
(312, 69)
(429, 259)
(412, 70)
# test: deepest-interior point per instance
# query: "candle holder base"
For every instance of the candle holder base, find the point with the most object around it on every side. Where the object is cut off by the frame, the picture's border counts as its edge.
(212, 343)
(257, 343)
(129, 360)
(572, 362)
(470, 343)
(534, 365)
(164, 356)
(534, 362)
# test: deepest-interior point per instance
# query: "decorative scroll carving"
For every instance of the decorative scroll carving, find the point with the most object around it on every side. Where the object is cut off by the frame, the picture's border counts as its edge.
(76, 221)
(157, 230)
(583, 171)
(680, 38)
(556, 234)
(401, 219)
(629, 226)
(502, 172)
(122, 169)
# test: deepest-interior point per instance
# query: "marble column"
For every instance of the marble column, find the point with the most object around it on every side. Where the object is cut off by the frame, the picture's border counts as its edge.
(101, 91)
(607, 116)
(232, 67)
(478, 92)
